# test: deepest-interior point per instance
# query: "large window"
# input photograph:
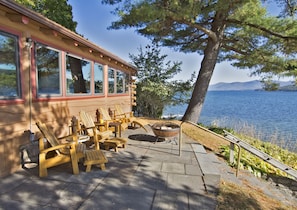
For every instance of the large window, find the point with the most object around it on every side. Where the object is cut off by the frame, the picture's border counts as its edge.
(48, 70)
(78, 72)
(111, 81)
(120, 82)
(117, 81)
(127, 82)
(9, 67)
(98, 78)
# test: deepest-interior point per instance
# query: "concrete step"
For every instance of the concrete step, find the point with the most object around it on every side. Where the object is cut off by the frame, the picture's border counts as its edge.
(209, 165)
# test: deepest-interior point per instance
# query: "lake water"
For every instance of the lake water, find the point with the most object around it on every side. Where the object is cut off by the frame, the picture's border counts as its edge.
(270, 116)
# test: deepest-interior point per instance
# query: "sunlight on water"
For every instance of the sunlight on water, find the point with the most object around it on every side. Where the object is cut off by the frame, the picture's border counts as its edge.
(269, 116)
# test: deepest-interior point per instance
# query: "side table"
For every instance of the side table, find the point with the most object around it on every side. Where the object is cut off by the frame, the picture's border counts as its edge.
(117, 128)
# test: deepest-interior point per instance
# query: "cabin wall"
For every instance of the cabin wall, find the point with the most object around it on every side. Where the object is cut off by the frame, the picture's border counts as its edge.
(18, 116)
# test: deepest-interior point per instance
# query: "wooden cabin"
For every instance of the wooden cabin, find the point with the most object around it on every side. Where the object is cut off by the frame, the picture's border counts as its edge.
(50, 73)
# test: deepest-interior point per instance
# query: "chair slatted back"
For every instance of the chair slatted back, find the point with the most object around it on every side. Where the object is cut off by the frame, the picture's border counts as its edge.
(87, 121)
(48, 135)
(105, 114)
(119, 110)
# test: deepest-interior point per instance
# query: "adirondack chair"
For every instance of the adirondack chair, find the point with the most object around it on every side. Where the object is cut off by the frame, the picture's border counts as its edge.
(103, 136)
(57, 153)
(89, 125)
(120, 114)
(108, 120)
(128, 117)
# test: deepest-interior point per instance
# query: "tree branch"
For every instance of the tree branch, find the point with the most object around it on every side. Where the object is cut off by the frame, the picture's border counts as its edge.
(262, 29)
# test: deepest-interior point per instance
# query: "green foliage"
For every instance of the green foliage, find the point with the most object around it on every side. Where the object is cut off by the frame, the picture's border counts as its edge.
(252, 39)
(58, 11)
(257, 166)
(8, 79)
(155, 86)
(269, 85)
(240, 32)
(219, 130)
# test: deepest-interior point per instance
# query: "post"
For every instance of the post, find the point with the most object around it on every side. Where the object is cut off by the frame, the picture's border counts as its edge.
(180, 138)
(231, 157)
(238, 160)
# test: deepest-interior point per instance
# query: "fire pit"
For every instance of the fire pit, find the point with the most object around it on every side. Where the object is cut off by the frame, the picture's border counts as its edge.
(165, 129)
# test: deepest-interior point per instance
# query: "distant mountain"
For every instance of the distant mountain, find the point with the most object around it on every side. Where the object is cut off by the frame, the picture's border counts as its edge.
(250, 85)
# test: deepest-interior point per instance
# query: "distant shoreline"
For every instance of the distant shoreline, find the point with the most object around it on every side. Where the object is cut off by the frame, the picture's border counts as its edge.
(250, 85)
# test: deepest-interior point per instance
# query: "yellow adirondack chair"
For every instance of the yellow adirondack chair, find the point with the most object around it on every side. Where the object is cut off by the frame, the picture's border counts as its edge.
(57, 153)
(92, 156)
(120, 114)
(103, 136)
(107, 120)
(89, 125)
(129, 117)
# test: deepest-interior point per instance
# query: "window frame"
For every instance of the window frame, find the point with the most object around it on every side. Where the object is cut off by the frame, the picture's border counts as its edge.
(18, 79)
(94, 79)
(45, 95)
(89, 90)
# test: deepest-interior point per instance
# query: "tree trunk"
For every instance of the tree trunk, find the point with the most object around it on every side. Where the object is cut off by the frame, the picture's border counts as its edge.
(208, 63)
(79, 83)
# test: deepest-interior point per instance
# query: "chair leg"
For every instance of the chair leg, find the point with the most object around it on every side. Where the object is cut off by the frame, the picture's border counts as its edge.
(102, 166)
(42, 167)
(74, 161)
(88, 168)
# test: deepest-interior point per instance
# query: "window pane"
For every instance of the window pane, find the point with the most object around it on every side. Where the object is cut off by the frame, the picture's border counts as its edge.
(111, 81)
(9, 68)
(78, 75)
(98, 78)
(48, 70)
(120, 82)
(126, 83)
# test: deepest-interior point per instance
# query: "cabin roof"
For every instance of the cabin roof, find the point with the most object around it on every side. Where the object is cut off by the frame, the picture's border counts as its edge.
(17, 12)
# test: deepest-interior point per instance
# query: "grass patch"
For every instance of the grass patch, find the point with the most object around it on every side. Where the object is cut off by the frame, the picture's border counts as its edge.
(246, 197)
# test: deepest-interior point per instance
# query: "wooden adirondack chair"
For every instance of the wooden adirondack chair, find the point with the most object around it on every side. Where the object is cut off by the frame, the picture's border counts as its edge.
(103, 136)
(128, 117)
(120, 114)
(57, 153)
(107, 120)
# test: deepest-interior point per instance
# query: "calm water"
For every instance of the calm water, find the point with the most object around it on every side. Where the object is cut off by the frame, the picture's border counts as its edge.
(270, 116)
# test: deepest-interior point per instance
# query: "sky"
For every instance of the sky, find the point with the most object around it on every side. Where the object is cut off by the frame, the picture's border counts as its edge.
(93, 19)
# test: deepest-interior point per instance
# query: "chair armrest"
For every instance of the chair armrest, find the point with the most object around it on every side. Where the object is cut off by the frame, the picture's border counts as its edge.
(68, 136)
(66, 146)
(121, 115)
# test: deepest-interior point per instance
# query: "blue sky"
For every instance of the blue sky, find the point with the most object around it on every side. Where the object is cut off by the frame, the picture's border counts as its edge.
(93, 19)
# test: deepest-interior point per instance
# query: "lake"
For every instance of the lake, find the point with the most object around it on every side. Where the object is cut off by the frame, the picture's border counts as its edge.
(269, 116)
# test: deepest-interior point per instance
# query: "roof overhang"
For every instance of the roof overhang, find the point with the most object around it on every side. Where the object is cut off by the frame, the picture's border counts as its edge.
(17, 12)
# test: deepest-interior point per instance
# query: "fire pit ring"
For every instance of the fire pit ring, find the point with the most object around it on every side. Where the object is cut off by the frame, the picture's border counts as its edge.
(165, 129)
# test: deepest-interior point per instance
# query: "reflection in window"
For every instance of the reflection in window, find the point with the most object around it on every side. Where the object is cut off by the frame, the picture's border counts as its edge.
(78, 75)
(111, 81)
(120, 82)
(48, 70)
(9, 68)
(126, 83)
(98, 78)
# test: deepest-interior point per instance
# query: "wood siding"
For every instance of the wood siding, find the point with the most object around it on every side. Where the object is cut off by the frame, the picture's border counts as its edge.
(18, 117)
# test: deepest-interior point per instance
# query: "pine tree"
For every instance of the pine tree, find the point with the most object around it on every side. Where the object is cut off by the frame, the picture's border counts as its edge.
(238, 31)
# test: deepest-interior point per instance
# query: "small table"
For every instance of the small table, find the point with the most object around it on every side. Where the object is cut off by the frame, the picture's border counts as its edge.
(117, 128)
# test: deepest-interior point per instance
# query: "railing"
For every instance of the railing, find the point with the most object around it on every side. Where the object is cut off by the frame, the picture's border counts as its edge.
(262, 155)
(242, 144)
